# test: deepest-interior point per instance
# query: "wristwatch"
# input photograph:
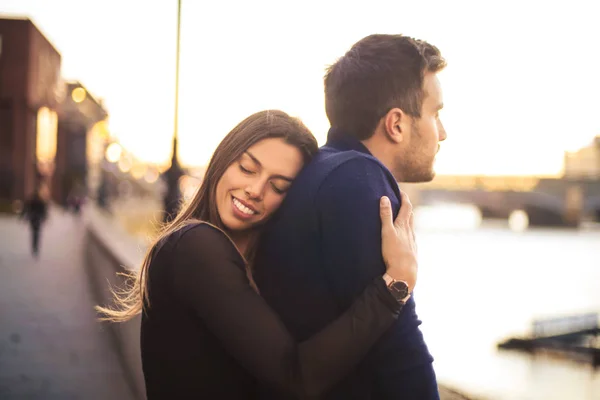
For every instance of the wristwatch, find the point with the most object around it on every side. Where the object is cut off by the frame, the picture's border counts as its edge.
(399, 289)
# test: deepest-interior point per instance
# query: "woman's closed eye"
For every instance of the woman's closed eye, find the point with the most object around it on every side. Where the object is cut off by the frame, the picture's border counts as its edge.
(246, 170)
(278, 189)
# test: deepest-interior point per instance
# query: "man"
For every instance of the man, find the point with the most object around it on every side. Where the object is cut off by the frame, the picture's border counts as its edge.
(382, 99)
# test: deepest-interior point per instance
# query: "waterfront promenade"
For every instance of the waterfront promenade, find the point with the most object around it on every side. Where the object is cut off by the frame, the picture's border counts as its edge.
(51, 345)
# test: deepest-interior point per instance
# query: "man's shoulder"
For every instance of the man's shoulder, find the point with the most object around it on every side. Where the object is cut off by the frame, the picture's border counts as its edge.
(328, 157)
(330, 164)
(334, 175)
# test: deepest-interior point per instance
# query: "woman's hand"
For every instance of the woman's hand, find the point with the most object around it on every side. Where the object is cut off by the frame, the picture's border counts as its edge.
(398, 241)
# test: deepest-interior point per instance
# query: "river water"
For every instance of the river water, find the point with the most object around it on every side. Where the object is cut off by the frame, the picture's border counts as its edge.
(480, 283)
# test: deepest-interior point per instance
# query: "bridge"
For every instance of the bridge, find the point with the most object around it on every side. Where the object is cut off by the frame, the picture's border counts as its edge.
(547, 201)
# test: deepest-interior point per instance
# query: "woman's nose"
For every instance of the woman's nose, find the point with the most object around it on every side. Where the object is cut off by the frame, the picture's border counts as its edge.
(255, 190)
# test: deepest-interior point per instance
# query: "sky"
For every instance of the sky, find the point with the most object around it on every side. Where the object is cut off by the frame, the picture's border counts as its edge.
(521, 86)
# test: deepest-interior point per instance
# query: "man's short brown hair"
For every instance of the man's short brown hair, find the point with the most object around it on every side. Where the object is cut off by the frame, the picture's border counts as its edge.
(378, 73)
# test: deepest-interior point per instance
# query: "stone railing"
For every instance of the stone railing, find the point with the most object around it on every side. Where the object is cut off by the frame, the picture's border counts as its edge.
(110, 253)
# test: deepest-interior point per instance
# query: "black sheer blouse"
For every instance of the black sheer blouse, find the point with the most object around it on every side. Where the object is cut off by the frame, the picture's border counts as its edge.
(208, 335)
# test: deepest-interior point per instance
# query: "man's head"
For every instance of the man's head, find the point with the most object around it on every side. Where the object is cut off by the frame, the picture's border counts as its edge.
(384, 91)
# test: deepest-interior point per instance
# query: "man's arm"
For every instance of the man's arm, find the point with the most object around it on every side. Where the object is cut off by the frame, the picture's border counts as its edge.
(350, 229)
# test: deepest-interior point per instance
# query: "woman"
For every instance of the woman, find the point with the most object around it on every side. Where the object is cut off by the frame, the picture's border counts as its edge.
(206, 332)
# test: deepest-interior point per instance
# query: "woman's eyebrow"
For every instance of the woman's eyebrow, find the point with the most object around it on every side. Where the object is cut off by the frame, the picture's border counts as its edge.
(253, 158)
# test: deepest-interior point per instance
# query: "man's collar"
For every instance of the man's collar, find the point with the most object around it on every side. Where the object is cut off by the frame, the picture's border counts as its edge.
(343, 141)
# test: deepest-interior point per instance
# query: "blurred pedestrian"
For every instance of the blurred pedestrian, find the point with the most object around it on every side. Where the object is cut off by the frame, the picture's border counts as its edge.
(35, 211)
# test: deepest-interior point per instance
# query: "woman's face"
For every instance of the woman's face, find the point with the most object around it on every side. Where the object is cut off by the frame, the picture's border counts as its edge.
(253, 187)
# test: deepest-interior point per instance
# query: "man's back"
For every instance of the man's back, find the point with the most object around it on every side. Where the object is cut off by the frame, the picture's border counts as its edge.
(320, 251)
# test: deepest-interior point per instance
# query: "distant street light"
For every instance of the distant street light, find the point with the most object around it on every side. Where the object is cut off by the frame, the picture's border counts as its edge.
(78, 95)
(114, 152)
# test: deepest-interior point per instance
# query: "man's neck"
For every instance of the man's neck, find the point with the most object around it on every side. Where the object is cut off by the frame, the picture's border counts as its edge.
(381, 151)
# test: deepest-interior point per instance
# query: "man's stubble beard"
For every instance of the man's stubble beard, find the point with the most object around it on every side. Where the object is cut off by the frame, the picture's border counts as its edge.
(413, 166)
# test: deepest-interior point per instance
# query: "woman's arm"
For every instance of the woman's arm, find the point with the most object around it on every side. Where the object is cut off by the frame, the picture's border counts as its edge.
(209, 278)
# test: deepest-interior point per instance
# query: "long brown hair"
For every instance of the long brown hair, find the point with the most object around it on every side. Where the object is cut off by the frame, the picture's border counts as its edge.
(132, 300)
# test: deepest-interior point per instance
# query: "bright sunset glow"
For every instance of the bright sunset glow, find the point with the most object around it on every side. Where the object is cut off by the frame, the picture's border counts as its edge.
(520, 87)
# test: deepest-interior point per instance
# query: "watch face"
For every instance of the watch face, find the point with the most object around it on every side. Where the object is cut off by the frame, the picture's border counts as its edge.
(399, 290)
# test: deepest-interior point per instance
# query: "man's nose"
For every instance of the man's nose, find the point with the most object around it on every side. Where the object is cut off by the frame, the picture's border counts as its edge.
(442, 132)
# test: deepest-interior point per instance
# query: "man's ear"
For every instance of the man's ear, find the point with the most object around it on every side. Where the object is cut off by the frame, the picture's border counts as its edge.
(396, 123)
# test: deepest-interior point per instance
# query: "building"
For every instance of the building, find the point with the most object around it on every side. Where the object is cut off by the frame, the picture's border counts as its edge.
(45, 123)
(30, 93)
(584, 163)
(80, 142)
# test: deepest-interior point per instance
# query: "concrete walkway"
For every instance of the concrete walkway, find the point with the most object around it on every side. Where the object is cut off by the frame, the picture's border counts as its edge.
(51, 346)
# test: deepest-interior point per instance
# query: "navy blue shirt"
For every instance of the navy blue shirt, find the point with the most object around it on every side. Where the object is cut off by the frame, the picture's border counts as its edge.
(322, 248)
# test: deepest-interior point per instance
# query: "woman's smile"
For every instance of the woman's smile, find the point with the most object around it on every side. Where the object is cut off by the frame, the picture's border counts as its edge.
(242, 209)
